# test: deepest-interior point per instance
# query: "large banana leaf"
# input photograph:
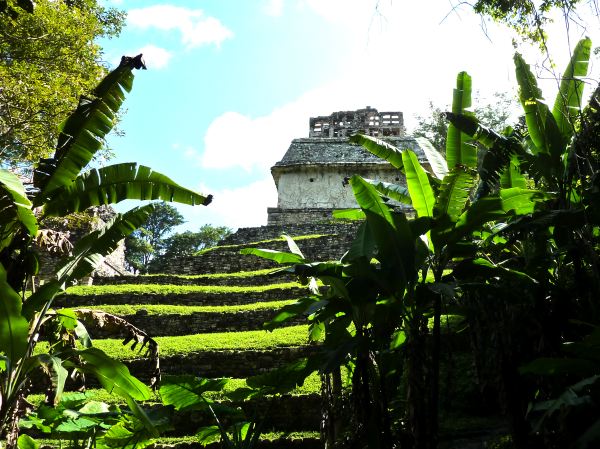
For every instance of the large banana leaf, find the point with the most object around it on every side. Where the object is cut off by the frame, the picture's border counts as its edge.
(116, 183)
(113, 375)
(394, 192)
(541, 124)
(391, 233)
(567, 105)
(438, 164)
(83, 132)
(52, 366)
(380, 149)
(501, 149)
(507, 203)
(418, 185)
(276, 256)
(15, 208)
(90, 250)
(459, 146)
(14, 328)
(454, 193)
(87, 254)
(186, 392)
(512, 176)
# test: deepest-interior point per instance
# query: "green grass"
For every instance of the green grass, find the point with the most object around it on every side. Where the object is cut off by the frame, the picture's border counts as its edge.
(287, 336)
(152, 309)
(250, 244)
(160, 289)
(186, 440)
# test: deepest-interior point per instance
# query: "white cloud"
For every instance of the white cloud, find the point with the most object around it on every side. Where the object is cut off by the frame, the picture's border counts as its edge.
(241, 207)
(196, 28)
(273, 8)
(155, 57)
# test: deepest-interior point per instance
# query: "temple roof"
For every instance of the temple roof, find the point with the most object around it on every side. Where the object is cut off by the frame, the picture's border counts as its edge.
(333, 151)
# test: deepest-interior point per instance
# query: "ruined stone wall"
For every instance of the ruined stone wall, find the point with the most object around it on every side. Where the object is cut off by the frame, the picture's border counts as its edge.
(326, 186)
(229, 260)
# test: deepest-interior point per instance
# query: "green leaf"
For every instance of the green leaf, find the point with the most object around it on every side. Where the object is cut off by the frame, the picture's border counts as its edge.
(541, 124)
(26, 442)
(508, 203)
(301, 308)
(15, 209)
(398, 339)
(394, 192)
(113, 375)
(363, 244)
(83, 132)
(208, 434)
(14, 328)
(67, 318)
(460, 149)
(292, 245)
(511, 176)
(52, 366)
(567, 105)
(380, 149)
(185, 392)
(277, 256)
(454, 193)
(438, 164)
(391, 233)
(89, 251)
(140, 414)
(115, 183)
(419, 188)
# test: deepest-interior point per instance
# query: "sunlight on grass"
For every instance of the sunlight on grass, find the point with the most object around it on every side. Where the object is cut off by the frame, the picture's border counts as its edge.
(283, 337)
(154, 309)
(160, 289)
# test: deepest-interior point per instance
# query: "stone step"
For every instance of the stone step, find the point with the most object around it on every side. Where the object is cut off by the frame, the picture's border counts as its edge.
(227, 259)
(164, 325)
(165, 279)
(189, 299)
(221, 363)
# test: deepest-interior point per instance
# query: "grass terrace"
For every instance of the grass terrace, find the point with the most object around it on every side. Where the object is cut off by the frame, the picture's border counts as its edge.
(152, 309)
(261, 340)
(260, 242)
(166, 289)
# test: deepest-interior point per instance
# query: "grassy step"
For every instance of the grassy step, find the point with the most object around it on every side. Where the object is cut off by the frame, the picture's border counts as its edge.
(257, 277)
(222, 363)
(181, 345)
(273, 440)
(160, 320)
(192, 295)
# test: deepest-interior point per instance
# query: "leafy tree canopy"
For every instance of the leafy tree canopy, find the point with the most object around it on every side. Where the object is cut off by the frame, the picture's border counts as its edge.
(496, 114)
(48, 59)
(526, 17)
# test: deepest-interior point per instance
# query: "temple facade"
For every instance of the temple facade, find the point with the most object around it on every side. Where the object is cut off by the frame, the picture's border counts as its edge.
(312, 177)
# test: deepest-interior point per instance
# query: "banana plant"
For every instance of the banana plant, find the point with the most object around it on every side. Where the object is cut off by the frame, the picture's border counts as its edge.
(60, 187)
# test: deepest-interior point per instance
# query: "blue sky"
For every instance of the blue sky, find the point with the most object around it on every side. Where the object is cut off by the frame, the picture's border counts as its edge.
(231, 82)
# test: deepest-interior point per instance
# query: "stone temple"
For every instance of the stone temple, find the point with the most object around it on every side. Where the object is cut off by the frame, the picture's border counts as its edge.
(311, 178)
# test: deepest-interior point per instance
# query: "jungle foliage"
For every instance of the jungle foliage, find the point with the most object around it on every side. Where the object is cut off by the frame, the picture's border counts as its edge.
(48, 59)
(60, 187)
(524, 219)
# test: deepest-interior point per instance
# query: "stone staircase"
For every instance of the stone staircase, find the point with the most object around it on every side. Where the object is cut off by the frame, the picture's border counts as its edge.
(222, 267)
